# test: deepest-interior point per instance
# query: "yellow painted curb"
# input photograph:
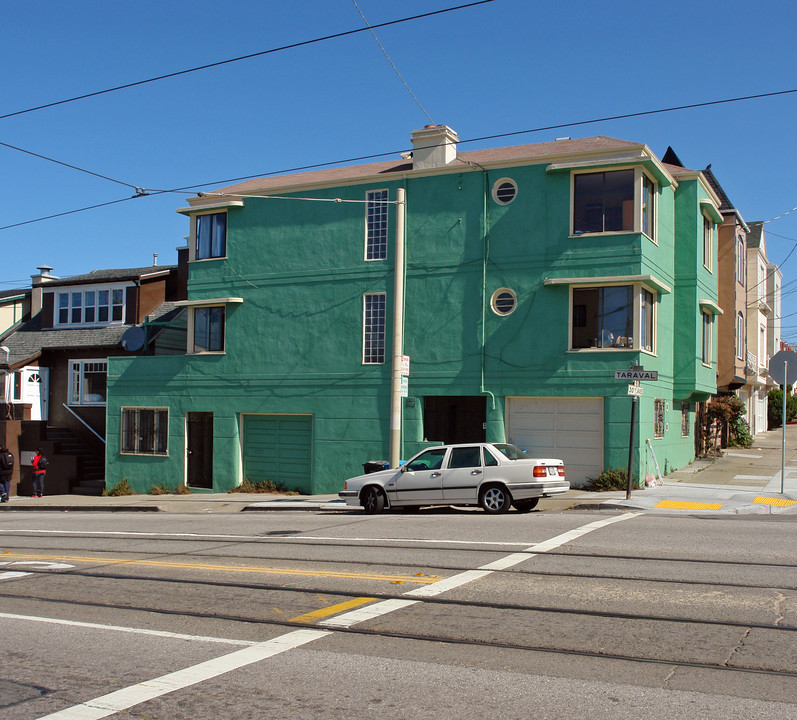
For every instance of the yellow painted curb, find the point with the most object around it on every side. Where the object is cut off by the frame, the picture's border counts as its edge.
(682, 505)
(780, 502)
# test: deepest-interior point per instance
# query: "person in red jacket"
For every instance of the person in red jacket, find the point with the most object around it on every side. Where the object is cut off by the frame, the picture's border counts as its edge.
(39, 471)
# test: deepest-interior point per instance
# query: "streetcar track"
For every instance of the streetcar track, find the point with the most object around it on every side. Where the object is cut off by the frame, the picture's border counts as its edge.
(431, 600)
(8, 552)
(470, 642)
(429, 545)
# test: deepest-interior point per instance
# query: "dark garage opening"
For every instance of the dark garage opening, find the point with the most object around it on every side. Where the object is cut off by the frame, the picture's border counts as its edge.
(454, 419)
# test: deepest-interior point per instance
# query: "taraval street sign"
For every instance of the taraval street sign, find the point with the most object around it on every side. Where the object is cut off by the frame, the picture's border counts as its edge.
(630, 375)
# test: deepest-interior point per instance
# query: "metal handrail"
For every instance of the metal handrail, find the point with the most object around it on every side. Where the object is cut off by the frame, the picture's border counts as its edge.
(91, 429)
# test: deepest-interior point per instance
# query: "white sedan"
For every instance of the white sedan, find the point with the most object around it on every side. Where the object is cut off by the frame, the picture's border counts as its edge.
(491, 475)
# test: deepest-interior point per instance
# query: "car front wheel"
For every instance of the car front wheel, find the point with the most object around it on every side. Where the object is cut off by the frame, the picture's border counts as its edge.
(495, 499)
(525, 506)
(373, 500)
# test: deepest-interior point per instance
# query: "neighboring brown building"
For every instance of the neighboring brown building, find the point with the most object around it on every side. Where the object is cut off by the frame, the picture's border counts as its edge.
(56, 363)
(732, 293)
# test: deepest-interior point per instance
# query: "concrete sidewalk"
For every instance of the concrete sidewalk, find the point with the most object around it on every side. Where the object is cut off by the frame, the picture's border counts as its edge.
(738, 482)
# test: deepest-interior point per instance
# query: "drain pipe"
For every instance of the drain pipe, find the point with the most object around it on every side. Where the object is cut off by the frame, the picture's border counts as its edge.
(398, 332)
(486, 238)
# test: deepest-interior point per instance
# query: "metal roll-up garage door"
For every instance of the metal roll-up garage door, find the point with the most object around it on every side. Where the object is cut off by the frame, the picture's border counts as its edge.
(278, 448)
(566, 428)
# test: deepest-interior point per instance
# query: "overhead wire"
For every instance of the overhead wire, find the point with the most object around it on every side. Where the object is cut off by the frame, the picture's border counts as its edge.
(219, 63)
(360, 158)
(392, 64)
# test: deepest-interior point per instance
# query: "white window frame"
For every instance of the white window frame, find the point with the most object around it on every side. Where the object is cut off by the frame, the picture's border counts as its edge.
(84, 292)
(194, 244)
(740, 335)
(740, 261)
(708, 242)
(636, 323)
(498, 194)
(160, 432)
(708, 339)
(374, 348)
(377, 218)
(193, 349)
(77, 381)
(639, 176)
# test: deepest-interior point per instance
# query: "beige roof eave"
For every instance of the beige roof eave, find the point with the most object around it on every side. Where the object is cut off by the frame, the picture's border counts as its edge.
(648, 280)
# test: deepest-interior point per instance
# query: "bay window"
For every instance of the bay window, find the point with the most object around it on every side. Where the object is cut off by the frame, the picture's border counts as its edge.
(211, 236)
(614, 201)
(613, 317)
(87, 382)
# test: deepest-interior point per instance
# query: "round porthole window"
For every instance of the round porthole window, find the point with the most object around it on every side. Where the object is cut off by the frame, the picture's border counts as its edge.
(503, 302)
(504, 191)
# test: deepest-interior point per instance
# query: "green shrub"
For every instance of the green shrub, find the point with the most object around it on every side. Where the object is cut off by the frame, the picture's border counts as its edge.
(611, 479)
(775, 408)
(121, 488)
(262, 486)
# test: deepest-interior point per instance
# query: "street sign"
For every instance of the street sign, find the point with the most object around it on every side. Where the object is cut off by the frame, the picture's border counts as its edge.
(405, 364)
(635, 390)
(783, 367)
(405, 387)
(636, 375)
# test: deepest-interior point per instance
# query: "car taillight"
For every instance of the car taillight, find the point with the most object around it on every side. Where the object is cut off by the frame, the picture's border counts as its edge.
(344, 484)
(540, 471)
(561, 470)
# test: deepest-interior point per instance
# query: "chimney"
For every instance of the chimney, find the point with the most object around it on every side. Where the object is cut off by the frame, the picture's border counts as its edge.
(434, 146)
(154, 259)
(36, 282)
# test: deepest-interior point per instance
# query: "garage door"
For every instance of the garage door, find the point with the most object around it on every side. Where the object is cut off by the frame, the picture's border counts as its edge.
(278, 448)
(566, 428)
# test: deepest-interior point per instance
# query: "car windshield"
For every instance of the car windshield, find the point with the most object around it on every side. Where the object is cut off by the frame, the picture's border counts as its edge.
(510, 451)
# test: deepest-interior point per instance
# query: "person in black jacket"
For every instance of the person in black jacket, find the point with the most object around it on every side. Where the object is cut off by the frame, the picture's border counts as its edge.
(6, 469)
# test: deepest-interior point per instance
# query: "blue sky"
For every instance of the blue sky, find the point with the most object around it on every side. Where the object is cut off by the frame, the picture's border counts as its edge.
(501, 67)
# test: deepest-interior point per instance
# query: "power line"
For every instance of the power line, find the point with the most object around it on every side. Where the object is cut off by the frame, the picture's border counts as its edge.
(315, 166)
(243, 57)
(393, 65)
(72, 167)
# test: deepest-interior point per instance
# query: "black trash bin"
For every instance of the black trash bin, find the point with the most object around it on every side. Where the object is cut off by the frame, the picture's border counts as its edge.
(375, 465)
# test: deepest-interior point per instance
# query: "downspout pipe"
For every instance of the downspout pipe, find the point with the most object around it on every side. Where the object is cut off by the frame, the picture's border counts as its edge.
(486, 239)
(398, 331)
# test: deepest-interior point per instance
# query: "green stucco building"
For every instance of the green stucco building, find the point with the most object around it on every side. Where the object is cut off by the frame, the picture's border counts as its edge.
(530, 274)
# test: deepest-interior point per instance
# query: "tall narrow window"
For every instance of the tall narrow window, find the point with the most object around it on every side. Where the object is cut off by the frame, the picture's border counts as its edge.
(603, 202)
(209, 329)
(648, 206)
(707, 339)
(374, 307)
(646, 324)
(658, 418)
(211, 236)
(740, 336)
(708, 238)
(740, 262)
(685, 419)
(376, 225)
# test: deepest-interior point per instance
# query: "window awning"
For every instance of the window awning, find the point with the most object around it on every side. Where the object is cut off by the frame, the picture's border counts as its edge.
(648, 280)
(209, 301)
(650, 163)
(710, 209)
(710, 306)
(204, 207)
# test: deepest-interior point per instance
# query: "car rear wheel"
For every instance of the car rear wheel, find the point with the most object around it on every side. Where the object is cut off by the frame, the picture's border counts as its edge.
(373, 500)
(525, 506)
(495, 499)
